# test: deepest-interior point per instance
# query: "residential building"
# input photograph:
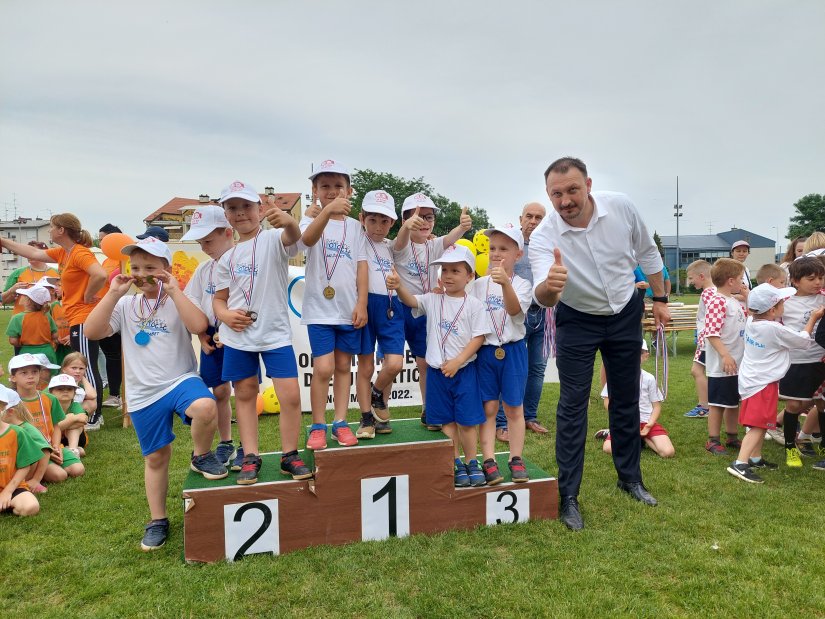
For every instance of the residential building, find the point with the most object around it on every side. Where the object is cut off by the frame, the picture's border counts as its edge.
(22, 230)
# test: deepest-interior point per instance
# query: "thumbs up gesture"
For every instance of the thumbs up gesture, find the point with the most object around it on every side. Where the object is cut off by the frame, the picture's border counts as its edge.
(393, 280)
(557, 276)
(416, 222)
(277, 217)
(340, 206)
(315, 208)
(465, 222)
(499, 275)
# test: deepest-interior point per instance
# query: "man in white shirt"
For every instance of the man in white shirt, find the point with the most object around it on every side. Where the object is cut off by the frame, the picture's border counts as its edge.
(602, 238)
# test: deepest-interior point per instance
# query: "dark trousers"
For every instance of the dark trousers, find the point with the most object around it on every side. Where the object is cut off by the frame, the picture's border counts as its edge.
(619, 339)
(89, 349)
(114, 370)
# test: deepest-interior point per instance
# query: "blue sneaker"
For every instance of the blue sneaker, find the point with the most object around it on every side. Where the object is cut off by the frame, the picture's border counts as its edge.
(155, 535)
(697, 412)
(208, 466)
(237, 461)
(462, 479)
(224, 451)
(476, 474)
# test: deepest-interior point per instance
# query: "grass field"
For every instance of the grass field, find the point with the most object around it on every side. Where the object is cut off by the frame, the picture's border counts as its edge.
(714, 546)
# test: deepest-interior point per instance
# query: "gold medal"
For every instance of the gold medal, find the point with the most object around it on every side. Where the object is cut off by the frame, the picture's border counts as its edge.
(329, 292)
(499, 353)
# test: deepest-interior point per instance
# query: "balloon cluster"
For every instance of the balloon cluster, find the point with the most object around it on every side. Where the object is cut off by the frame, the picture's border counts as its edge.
(480, 246)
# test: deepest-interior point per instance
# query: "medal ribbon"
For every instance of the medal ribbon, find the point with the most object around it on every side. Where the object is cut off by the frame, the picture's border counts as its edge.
(247, 294)
(443, 339)
(211, 285)
(380, 266)
(337, 256)
(43, 415)
(152, 310)
(425, 283)
(499, 330)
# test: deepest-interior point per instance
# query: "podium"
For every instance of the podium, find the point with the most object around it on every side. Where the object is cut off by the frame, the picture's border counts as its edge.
(391, 486)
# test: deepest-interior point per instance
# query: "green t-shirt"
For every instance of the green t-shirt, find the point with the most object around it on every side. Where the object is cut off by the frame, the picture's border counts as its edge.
(17, 451)
(35, 435)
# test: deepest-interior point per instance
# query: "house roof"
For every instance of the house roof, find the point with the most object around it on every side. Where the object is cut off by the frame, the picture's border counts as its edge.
(176, 205)
(25, 223)
(721, 241)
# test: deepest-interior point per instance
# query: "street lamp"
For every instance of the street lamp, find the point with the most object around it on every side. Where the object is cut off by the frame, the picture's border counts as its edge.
(678, 208)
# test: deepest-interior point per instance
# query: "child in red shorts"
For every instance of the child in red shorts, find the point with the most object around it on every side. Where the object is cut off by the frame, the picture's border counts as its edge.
(767, 357)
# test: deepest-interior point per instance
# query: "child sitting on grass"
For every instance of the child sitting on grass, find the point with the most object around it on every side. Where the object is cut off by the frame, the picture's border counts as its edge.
(18, 416)
(17, 454)
(64, 388)
(75, 365)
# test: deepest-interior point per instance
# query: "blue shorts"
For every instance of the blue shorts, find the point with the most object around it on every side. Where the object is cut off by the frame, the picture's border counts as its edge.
(323, 339)
(153, 423)
(723, 391)
(415, 332)
(240, 364)
(506, 378)
(388, 332)
(455, 399)
(212, 365)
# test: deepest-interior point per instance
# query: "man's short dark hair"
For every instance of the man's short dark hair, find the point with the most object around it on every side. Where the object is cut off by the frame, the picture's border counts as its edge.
(563, 165)
(110, 229)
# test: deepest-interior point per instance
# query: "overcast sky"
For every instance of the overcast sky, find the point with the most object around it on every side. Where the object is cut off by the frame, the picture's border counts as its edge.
(110, 109)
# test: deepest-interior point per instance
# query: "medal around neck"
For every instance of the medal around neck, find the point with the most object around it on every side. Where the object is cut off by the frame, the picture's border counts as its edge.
(499, 353)
(142, 338)
(329, 292)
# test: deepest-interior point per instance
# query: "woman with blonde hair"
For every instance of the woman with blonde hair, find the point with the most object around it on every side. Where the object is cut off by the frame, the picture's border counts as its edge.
(81, 277)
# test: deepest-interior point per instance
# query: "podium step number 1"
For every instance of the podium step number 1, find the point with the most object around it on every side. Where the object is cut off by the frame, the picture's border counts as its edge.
(385, 507)
(251, 528)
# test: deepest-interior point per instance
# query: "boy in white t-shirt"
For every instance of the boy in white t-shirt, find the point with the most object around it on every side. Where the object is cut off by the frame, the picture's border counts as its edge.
(698, 275)
(768, 346)
(251, 304)
(502, 360)
(414, 254)
(335, 299)
(161, 371)
(213, 233)
(724, 336)
(385, 321)
(456, 326)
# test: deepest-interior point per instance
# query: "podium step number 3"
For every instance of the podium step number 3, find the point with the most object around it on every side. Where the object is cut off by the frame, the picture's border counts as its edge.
(251, 528)
(385, 507)
(508, 506)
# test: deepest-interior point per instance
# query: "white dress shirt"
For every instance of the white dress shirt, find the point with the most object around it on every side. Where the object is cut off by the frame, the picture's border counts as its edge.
(599, 258)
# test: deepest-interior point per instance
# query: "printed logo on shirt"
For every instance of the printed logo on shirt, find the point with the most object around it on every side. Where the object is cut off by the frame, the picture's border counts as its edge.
(416, 268)
(448, 327)
(495, 302)
(333, 247)
(752, 342)
(381, 264)
(210, 288)
(244, 268)
(154, 326)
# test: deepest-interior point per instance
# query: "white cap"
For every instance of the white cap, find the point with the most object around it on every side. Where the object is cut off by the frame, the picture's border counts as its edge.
(418, 200)
(379, 202)
(23, 361)
(204, 220)
(457, 253)
(237, 189)
(9, 396)
(740, 243)
(511, 231)
(44, 361)
(644, 345)
(62, 380)
(764, 297)
(48, 282)
(36, 293)
(329, 166)
(150, 245)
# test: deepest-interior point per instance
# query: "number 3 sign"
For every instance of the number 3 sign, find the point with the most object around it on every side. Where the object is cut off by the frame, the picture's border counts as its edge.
(508, 506)
(251, 528)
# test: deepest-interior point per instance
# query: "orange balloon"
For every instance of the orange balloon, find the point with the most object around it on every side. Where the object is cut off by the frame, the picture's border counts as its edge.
(259, 404)
(112, 245)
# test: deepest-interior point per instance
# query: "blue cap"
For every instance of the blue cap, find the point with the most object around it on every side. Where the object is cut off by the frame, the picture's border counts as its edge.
(156, 231)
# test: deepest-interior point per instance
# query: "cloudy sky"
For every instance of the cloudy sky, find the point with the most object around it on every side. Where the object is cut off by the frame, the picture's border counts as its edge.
(110, 109)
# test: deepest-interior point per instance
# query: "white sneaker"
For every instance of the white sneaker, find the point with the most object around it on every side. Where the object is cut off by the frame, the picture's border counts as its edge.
(113, 402)
(90, 427)
(777, 436)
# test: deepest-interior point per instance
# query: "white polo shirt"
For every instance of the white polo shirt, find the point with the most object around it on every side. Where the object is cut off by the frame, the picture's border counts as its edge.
(599, 258)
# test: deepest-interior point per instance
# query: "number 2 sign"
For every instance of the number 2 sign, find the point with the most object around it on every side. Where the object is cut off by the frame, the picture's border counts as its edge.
(251, 528)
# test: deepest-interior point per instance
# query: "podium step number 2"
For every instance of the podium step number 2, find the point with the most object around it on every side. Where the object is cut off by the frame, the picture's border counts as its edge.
(251, 528)
(385, 507)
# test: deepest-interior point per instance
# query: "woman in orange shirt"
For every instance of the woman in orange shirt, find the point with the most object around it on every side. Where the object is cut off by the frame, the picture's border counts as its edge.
(81, 278)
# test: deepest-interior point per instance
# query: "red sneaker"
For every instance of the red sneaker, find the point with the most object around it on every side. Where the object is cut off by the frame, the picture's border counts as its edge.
(317, 439)
(344, 436)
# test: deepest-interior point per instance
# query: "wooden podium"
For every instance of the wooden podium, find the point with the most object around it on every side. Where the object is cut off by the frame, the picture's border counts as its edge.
(391, 486)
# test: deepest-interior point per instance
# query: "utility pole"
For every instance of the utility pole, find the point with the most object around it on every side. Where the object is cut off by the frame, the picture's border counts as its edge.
(678, 208)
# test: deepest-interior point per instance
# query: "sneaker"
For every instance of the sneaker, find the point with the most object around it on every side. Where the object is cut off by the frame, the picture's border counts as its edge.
(777, 436)
(208, 466)
(792, 458)
(518, 472)
(461, 477)
(715, 447)
(344, 436)
(762, 464)
(291, 464)
(367, 427)
(317, 439)
(733, 443)
(744, 472)
(383, 427)
(237, 461)
(95, 424)
(694, 413)
(155, 535)
(113, 401)
(491, 472)
(430, 426)
(602, 435)
(224, 451)
(379, 407)
(806, 449)
(475, 473)
(249, 470)
(819, 466)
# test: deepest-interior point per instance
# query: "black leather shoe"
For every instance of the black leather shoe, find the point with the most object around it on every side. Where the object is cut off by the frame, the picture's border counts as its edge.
(569, 513)
(637, 490)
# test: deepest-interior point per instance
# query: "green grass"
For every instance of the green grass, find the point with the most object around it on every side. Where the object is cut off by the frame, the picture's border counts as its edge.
(713, 547)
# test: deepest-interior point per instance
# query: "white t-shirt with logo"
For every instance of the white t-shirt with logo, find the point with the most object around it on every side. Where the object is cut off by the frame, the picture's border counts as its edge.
(201, 288)
(153, 370)
(378, 256)
(648, 394)
(768, 346)
(725, 319)
(441, 311)
(491, 296)
(271, 330)
(317, 309)
(414, 264)
(797, 313)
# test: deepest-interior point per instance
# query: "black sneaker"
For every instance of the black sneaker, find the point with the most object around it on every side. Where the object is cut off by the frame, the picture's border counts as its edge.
(237, 461)
(518, 472)
(744, 472)
(383, 427)
(291, 464)
(366, 429)
(819, 466)
(762, 464)
(224, 451)
(249, 470)
(430, 426)
(806, 449)
(491, 473)
(208, 466)
(379, 407)
(155, 535)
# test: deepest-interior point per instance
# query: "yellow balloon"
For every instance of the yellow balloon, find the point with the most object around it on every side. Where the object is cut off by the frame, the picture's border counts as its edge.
(482, 262)
(482, 242)
(271, 403)
(468, 244)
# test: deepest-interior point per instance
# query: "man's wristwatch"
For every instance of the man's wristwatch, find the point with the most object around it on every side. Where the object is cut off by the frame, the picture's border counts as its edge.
(660, 299)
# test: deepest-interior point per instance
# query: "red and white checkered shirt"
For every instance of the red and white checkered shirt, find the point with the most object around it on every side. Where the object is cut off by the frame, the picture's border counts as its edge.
(724, 319)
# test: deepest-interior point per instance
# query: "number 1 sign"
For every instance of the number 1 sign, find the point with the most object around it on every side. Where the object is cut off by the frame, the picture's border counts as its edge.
(385, 507)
